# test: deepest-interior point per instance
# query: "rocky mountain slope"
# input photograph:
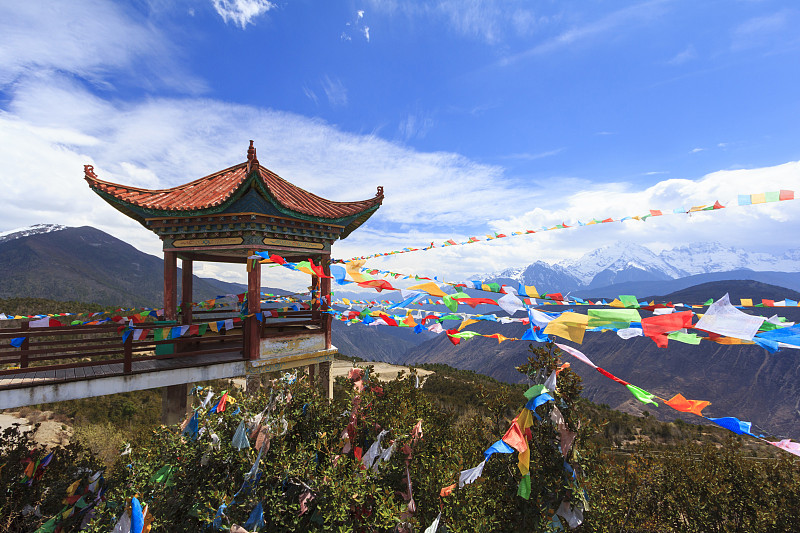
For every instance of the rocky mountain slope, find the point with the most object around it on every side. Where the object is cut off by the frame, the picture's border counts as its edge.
(88, 265)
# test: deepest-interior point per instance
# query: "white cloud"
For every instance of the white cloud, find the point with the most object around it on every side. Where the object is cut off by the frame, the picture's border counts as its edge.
(90, 39)
(696, 150)
(684, 56)
(335, 91)
(241, 12)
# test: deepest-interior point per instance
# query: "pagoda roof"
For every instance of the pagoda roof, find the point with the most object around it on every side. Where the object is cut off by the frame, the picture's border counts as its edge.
(213, 193)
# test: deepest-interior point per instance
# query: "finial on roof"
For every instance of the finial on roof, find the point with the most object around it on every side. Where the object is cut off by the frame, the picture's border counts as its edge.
(88, 170)
(380, 191)
(251, 157)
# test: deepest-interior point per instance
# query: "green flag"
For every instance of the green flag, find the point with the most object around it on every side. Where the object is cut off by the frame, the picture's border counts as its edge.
(641, 394)
(450, 302)
(535, 391)
(688, 338)
(524, 490)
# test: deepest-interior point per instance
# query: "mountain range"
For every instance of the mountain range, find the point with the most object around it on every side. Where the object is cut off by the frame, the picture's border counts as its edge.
(628, 263)
(88, 265)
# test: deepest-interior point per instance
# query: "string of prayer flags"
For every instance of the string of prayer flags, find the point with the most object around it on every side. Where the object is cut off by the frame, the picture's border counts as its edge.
(743, 200)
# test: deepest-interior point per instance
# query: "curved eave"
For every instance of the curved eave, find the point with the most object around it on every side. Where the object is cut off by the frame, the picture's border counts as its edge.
(141, 213)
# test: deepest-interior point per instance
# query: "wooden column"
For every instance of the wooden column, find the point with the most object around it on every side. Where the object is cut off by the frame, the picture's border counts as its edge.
(174, 403)
(186, 291)
(170, 286)
(23, 354)
(253, 331)
(325, 291)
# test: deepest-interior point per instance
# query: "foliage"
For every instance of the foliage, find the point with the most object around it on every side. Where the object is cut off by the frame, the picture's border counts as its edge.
(683, 487)
(23, 505)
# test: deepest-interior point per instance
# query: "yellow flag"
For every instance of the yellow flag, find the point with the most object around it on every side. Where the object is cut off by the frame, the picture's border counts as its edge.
(466, 322)
(353, 268)
(430, 287)
(569, 326)
(747, 302)
(525, 462)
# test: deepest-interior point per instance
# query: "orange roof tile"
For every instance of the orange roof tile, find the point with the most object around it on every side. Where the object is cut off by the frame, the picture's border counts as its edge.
(216, 188)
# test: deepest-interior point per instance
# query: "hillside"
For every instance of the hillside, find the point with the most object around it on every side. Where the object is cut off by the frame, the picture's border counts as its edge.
(85, 264)
(742, 381)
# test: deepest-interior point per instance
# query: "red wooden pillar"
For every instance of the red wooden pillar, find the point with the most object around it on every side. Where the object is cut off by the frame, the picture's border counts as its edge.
(170, 285)
(253, 331)
(186, 291)
(325, 292)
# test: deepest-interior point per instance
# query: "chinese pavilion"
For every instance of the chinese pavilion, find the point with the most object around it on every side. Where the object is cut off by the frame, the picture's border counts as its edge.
(226, 217)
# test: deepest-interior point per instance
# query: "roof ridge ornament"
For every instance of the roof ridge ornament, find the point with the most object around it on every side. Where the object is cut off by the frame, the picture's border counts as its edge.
(251, 157)
(88, 170)
(380, 191)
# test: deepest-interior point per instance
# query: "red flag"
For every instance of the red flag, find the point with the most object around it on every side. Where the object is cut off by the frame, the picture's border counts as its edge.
(657, 327)
(450, 333)
(515, 438)
(609, 375)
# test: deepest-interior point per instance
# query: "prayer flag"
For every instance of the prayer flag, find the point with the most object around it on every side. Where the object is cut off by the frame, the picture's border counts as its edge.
(577, 354)
(641, 394)
(724, 319)
(679, 403)
(568, 325)
(524, 490)
(468, 476)
(734, 424)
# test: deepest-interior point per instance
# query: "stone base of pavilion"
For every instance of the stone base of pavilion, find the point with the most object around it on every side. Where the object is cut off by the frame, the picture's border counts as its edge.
(286, 352)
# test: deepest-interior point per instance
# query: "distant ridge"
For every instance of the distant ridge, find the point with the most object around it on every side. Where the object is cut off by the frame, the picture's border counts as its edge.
(632, 268)
(88, 265)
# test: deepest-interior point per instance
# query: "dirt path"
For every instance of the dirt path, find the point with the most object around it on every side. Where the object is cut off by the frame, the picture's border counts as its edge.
(385, 371)
(50, 433)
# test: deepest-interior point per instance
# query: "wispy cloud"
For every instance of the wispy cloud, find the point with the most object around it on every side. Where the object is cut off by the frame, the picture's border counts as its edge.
(696, 150)
(415, 125)
(642, 12)
(762, 31)
(534, 156)
(655, 173)
(490, 21)
(684, 56)
(335, 91)
(241, 12)
(604, 133)
(310, 94)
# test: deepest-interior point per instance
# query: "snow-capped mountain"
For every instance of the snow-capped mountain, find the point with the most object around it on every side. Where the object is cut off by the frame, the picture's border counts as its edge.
(700, 258)
(36, 229)
(627, 262)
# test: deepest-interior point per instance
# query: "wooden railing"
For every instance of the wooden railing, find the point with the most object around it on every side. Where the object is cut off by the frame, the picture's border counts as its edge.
(288, 322)
(69, 347)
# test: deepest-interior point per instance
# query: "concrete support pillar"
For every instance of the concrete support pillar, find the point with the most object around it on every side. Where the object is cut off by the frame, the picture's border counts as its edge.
(252, 384)
(186, 291)
(170, 285)
(326, 379)
(174, 403)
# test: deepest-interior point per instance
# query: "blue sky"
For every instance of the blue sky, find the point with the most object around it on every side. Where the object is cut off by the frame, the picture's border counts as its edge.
(474, 115)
